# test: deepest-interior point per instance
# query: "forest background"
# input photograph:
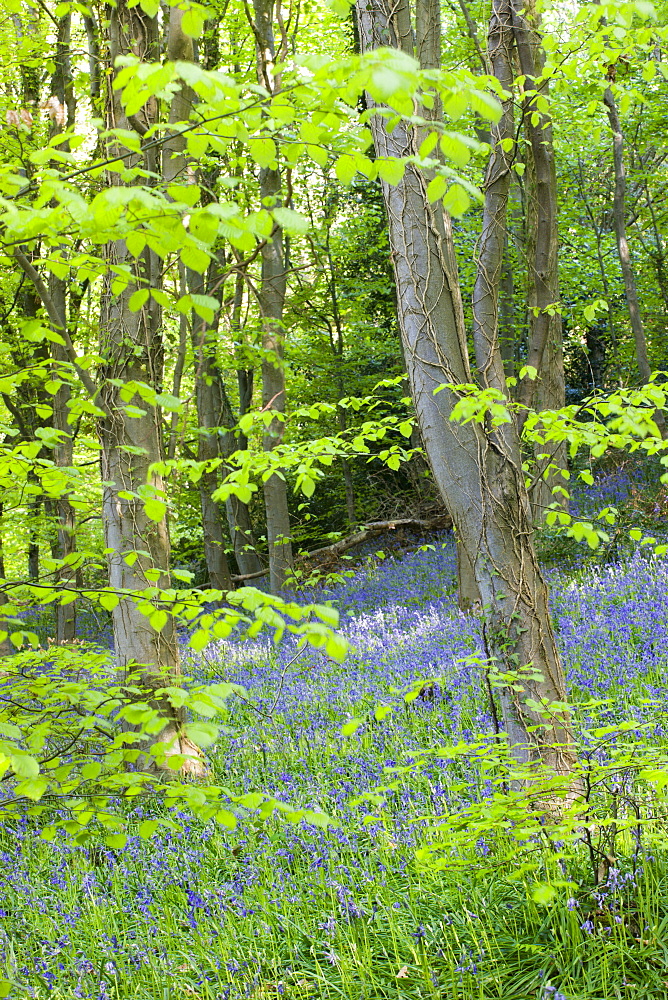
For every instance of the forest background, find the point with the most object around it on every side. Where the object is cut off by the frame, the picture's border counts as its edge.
(281, 279)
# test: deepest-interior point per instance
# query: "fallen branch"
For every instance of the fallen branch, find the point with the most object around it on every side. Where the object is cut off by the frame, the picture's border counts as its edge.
(237, 578)
(359, 536)
(376, 528)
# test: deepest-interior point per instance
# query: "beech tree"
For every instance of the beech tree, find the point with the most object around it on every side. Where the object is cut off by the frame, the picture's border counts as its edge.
(478, 467)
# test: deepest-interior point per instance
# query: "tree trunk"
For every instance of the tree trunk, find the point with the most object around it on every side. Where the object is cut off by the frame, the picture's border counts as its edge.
(238, 512)
(542, 255)
(428, 50)
(478, 470)
(492, 242)
(545, 334)
(33, 540)
(62, 87)
(210, 419)
(626, 264)
(131, 347)
(507, 315)
(66, 614)
(272, 300)
(6, 648)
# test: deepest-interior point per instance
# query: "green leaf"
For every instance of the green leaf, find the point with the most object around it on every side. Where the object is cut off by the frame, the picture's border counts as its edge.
(543, 894)
(345, 169)
(148, 828)
(318, 154)
(202, 734)
(116, 841)
(428, 145)
(391, 170)
(456, 200)
(340, 7)
(32, 788)
(226, 818)
(307, 486)
(187, 193)
(199, 639)
(158, 619)
(336, 647)
(436, 187)
(90, 771)
(6, 987)
(204, 226)
(108, 601)
(193, 21)
(195, 259)
(485, 105)
(246, 421)
(155, 509)
(138, 299)
(350, 728)
(656, 776)
(293, 222)
(455, 149)
(24, 766)
(263, 151)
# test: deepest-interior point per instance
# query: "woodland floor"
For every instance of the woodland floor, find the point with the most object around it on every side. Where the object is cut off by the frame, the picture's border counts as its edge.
(273, 910)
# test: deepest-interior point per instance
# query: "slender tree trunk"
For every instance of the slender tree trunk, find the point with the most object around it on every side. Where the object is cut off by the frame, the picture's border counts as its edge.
(596, 341)
(207, 378)
(543, 236)
(6, 648)
(210, 420)
(545, 334)
(62, 87)
(33, 541)
(492, 242)
(478, 470)
(238, 512)
(272, 300)
(626, 264)
(66, 614)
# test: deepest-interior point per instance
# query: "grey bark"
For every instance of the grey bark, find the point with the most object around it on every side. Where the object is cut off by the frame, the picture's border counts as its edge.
(477, 470)
(131, 347)
(492, 242)
(207, 378)
(210, 389)
(272, 300)
(428, 50)
(210, 418)
(238, 512)
(623, 251)
(507, 313)
(66, 614)
(62, 87)
(545, 335)
(6, 648)
(542, 256)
